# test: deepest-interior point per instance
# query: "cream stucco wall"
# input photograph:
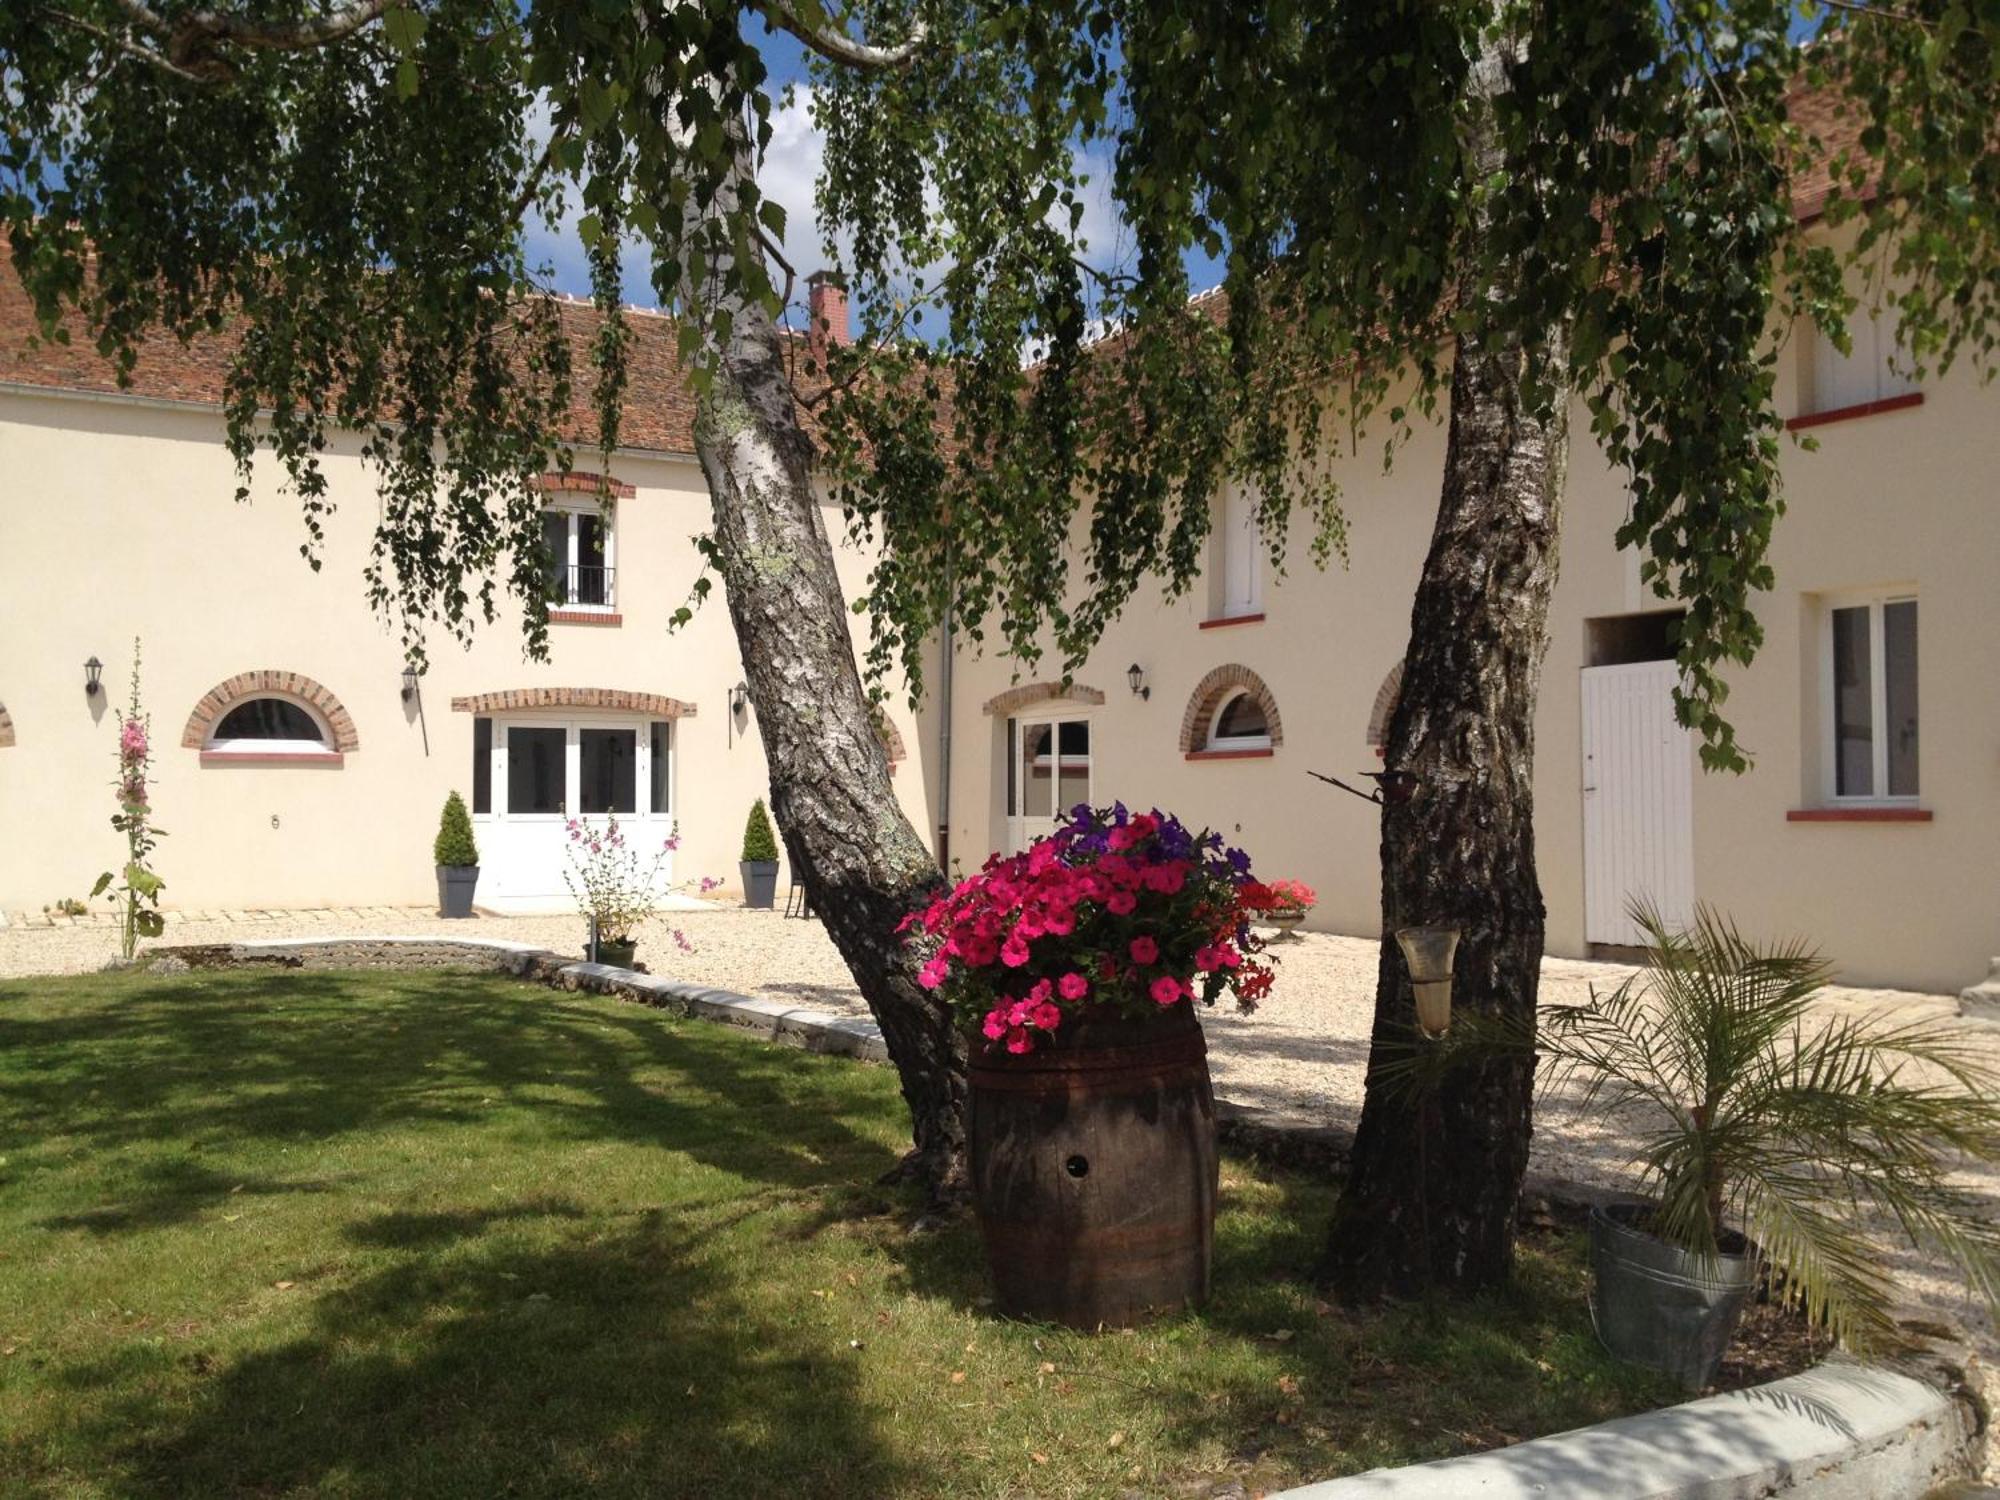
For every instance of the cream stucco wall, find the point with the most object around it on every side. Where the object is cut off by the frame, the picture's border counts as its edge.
(118, 520)
(1900, 497)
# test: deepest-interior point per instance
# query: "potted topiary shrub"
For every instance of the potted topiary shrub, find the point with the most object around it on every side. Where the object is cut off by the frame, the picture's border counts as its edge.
(760, 859)
(1766, 1131)
(1075, 966)
(457, 859)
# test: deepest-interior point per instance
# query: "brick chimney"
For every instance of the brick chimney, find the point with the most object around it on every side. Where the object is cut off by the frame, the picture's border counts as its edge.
(826, 314)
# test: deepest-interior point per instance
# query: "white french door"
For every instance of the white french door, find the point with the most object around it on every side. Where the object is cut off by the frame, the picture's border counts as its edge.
(546, 772)
(1048, 773)
(1638, 801)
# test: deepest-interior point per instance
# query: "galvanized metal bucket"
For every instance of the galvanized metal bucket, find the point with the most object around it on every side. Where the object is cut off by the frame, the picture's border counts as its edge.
(1663, 1307)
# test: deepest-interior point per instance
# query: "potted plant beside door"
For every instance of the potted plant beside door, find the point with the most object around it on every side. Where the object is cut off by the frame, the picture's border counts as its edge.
(457, 859)
(759, 866)
(616, 886)
(1775, 1139)
(1075, 966)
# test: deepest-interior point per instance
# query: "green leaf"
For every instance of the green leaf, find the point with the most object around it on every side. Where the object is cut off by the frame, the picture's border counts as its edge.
(103, 884)
(404, 27)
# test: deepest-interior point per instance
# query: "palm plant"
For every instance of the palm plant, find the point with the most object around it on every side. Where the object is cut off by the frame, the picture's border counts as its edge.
(1797, 1126)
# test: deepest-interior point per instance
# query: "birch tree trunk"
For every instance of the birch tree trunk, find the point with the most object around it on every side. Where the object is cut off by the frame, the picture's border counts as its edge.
(1435, 1180)
(862, 864)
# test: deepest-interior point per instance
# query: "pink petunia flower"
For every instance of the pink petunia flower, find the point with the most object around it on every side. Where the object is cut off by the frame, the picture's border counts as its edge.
(1018, 1040)
(1046, 1016)
(1073, 986)
(1013, 953)
(1145, 950)
(1121, 903)
(1166, 990)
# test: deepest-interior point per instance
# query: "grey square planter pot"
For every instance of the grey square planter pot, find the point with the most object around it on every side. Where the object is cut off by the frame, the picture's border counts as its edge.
(760, 882)
(455, 885)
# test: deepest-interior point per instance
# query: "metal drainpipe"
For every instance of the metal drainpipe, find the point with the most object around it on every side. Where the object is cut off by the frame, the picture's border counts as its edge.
(944, 749)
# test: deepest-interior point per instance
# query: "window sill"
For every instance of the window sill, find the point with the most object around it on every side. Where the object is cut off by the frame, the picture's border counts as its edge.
(585, 617)
(1264, 754)
(1221, 621)
(332, 759)
(1849, 413)
(1858, 815)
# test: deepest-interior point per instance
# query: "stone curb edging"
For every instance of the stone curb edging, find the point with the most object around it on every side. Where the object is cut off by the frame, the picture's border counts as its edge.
(1840, 1431)
(814, 1030)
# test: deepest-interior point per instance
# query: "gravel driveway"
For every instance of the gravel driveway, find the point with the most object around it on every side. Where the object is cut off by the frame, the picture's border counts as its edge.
(1303, 1053)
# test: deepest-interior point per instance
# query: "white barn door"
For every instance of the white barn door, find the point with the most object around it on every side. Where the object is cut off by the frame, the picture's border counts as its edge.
(1638, 800)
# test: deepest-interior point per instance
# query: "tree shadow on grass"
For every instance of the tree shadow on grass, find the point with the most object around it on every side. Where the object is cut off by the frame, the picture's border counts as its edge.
(176, 1191)
(221, 1062)
(1290, 1384)
(612, 1362)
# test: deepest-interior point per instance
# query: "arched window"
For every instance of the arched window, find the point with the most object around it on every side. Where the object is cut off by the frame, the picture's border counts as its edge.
(1386, 697)
(1230, 713)
(270, 726)
(1240, 723)
(269, 715)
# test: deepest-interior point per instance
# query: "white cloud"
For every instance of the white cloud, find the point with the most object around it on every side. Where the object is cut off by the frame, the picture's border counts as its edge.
(789, 175)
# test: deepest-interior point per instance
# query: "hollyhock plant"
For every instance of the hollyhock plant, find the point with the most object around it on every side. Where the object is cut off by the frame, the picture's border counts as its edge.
(137, 899)
(1116, 911)
(615, 881)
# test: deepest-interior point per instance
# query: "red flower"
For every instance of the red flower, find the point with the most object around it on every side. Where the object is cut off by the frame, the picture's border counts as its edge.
(1145, 950)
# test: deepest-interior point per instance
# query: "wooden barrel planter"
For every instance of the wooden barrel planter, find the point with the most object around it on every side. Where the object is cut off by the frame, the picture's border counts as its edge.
(1094, 1169)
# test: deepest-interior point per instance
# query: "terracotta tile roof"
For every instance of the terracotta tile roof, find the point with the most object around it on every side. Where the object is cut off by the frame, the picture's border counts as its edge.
(1828, 116)
(659, 407)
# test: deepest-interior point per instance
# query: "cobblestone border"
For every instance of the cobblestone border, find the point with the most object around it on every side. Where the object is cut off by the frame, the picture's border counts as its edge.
(814, 1030)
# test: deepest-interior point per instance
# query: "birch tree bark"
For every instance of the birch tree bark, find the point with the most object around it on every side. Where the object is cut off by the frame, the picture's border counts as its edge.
(862, 864)
(1436, 1176)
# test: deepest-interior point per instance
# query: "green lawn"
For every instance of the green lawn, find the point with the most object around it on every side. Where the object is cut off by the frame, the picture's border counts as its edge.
(438, 1235)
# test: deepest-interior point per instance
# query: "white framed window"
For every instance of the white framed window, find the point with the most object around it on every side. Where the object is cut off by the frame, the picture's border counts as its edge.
(1238, 556)
(270, 725)
(577, 537)
(1869, 374)
(553, 768)
(1239, 723)
(1868, 675)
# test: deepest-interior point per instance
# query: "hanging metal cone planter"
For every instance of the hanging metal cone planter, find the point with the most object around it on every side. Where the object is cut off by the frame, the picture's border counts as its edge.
(1429, 951)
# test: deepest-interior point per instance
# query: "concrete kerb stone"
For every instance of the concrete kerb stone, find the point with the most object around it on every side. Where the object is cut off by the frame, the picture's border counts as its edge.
(1981, 1002)
(813, 1030)
(1840, 1431)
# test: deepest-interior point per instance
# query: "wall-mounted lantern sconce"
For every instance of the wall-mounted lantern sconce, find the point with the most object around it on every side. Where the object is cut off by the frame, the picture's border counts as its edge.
(92, 670)
(739, 697)
(1136, 675)
(1429, 952)
(409, 683)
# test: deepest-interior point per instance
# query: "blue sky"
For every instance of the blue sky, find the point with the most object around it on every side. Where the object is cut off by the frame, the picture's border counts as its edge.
(791, 169)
